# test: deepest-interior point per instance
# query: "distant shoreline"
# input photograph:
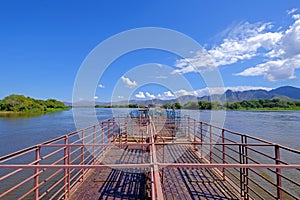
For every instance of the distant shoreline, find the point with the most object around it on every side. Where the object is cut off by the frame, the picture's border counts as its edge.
(274, 109)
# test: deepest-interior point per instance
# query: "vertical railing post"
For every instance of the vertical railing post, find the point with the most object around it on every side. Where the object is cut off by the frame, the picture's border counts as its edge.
(82, 154)
(36, 173)
(241, 169)
(201, 137)
(223, 154)
(108, 128)
(120, 132)
(126, 130)
(210, 144)
(278, 172)
(194, 130)
(102, 140)
(94, 141)
(66, 170)
(246, 169)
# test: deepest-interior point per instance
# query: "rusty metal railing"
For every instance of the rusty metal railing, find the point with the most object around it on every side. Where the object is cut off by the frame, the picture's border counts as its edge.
(34, 182)
(251, 178)
(254, 168)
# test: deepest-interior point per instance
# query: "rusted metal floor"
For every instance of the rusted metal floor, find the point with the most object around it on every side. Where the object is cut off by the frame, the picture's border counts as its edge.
(191, 183)
(117, 183)
(178, 183)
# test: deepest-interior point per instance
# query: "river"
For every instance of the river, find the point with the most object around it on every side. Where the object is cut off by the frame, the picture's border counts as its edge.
(17, 133)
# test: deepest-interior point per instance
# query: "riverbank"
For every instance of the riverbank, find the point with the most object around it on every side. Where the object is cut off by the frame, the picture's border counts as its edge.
(18, 105)
(11, 114)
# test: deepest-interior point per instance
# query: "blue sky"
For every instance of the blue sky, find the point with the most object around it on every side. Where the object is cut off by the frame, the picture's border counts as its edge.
(253, 44)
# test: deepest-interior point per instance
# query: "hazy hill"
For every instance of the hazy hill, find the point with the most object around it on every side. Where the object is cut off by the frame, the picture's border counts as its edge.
(285, 92)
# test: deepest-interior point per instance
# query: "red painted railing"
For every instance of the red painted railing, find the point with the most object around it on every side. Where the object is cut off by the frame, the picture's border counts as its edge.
(255, 168)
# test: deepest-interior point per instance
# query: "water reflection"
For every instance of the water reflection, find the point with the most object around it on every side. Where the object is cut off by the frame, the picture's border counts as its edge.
(16, 115)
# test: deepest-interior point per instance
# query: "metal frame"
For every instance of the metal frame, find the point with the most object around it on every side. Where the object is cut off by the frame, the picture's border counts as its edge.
(56, 168)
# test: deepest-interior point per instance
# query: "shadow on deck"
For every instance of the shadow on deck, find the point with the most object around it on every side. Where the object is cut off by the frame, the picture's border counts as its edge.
(178, 183)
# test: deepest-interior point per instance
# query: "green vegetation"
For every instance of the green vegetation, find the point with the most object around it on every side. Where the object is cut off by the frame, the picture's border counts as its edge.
(21, 104)
(261, 104)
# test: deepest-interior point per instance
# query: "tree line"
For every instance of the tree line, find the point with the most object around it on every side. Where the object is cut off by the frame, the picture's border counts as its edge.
(20, 103)
(256, 104)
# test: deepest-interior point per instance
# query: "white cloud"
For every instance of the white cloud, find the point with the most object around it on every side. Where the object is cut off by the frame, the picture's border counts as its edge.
(279, 51)
(199, 61)
(293, 10)
(217, 90)
(120, 97)
(140, 95)
(150, 95)
(168, 94)
(96, 97)
(243, 43)
(101, 86)
(129, 83)
(275, 70)
(283, 59)
(296, 16)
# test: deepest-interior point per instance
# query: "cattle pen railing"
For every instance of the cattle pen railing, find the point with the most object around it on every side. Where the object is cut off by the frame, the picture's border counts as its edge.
(252, 167)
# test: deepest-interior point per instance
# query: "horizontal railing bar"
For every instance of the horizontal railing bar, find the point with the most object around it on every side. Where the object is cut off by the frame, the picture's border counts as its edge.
(107, 144)
(17, 154)
(254, 191)
(75, 177)
(46, 180)
(254, 138)
(56, 193)
(76, 158)
(16, 171)
(20, 184)
(262, 188)
(261, 153)
(79, 147)
(261, 176)
(232, 174)
(165, 143)
(53, 186)
(289, 193)
(234, 159)
(52, 153)
(289, 179)
(183, 165)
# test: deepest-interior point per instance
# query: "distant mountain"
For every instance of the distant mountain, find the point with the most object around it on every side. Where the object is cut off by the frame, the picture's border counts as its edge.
(288, 91)
(285, 92)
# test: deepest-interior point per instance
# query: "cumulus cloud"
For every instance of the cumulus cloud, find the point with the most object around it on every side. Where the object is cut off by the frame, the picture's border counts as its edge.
(279, 51)
(168, 94)
(140, 95)
(283, 59)
(101, 86)
(242, 44)
(96, 97)
(129, 83)
(293, 10)
(152, 96)
(217, 90)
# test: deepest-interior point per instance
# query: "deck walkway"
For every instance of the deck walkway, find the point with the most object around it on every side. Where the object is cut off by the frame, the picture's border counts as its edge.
(177, 183)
